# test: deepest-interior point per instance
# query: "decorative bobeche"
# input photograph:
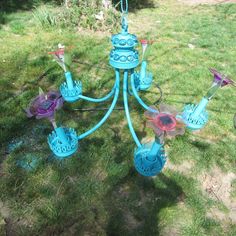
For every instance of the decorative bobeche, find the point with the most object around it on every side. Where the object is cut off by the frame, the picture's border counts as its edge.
(71, 90)
(150, 158)
(195, 116)
(63, 142)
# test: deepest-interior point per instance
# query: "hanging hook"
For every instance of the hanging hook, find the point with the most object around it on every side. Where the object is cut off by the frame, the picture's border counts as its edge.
(124, 24)
(124, 6)
(124, 10)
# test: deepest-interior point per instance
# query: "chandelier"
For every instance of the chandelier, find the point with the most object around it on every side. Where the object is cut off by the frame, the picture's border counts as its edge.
(166, 121)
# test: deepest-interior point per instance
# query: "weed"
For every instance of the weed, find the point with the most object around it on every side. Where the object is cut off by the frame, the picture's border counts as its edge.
(45, 16)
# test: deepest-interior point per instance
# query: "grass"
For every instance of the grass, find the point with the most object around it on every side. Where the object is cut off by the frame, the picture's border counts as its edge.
(98, 192)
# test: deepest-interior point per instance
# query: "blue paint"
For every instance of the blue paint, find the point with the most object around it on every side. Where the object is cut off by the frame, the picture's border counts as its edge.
(102, 121)
(140, 101)
(123, 55)
(103, 99)
(13, 145)
(63, 142)
(61, 135)
(29, 162)
(144, 78)
(200, 108)
(69, 81)
(195, 116)
(143, 70)
(71, 90)
(149, 159)
(125, 97)
(124, 6)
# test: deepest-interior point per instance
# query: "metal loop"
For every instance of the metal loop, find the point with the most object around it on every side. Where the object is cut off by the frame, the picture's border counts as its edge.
(124, 6)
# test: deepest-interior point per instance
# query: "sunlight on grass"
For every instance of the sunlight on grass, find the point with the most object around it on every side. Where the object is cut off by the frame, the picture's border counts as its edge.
(97, 191)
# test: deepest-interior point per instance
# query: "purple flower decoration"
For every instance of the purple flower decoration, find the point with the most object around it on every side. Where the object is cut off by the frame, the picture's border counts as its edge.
(221, 79)
(45, 105)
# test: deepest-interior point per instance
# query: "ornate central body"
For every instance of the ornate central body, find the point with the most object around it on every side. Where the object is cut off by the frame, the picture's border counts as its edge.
(124, 55)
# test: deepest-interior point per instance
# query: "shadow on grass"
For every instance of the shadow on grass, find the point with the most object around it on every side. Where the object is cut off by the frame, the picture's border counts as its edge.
(76, 180)
(136, 201)
(15, 5)
(136, 4)
(46, 79)
(132, 202)
(203, 146)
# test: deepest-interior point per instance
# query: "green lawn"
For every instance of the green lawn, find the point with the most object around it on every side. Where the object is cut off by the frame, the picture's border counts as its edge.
(98, 191)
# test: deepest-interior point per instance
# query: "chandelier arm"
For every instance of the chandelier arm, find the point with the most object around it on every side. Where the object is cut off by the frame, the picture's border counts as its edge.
(125, 97)
(128, 84)
(103, 99)
(102, 121)
(140, 101)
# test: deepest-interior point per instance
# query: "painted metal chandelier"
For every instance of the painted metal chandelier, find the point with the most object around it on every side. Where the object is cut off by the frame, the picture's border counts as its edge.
(149, 158)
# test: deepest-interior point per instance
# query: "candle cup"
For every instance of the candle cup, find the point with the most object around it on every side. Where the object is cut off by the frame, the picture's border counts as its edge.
(150, 159)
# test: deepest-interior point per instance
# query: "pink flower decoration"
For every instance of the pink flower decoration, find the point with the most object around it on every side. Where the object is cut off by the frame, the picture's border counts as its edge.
(59, 52)
(221, 79)
(165, 121)
(59, 56)
(45, 105)
(144, 41)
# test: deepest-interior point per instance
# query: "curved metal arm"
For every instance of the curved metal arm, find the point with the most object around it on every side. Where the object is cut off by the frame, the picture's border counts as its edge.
(101, 122)
(138, 98)
(100, 99)
(125, 96)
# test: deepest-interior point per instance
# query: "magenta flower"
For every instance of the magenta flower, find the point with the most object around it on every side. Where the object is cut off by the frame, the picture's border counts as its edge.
(45, 105)
(221, 79)
(165, 123)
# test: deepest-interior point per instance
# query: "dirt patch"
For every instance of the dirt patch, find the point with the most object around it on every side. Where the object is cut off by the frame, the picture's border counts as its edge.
(131, 221)
(209, 2)
(1, 169)
(184, 168)
(4, 211)
(218, 186)
(182, 217)
(124, 191)
(217, 214)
